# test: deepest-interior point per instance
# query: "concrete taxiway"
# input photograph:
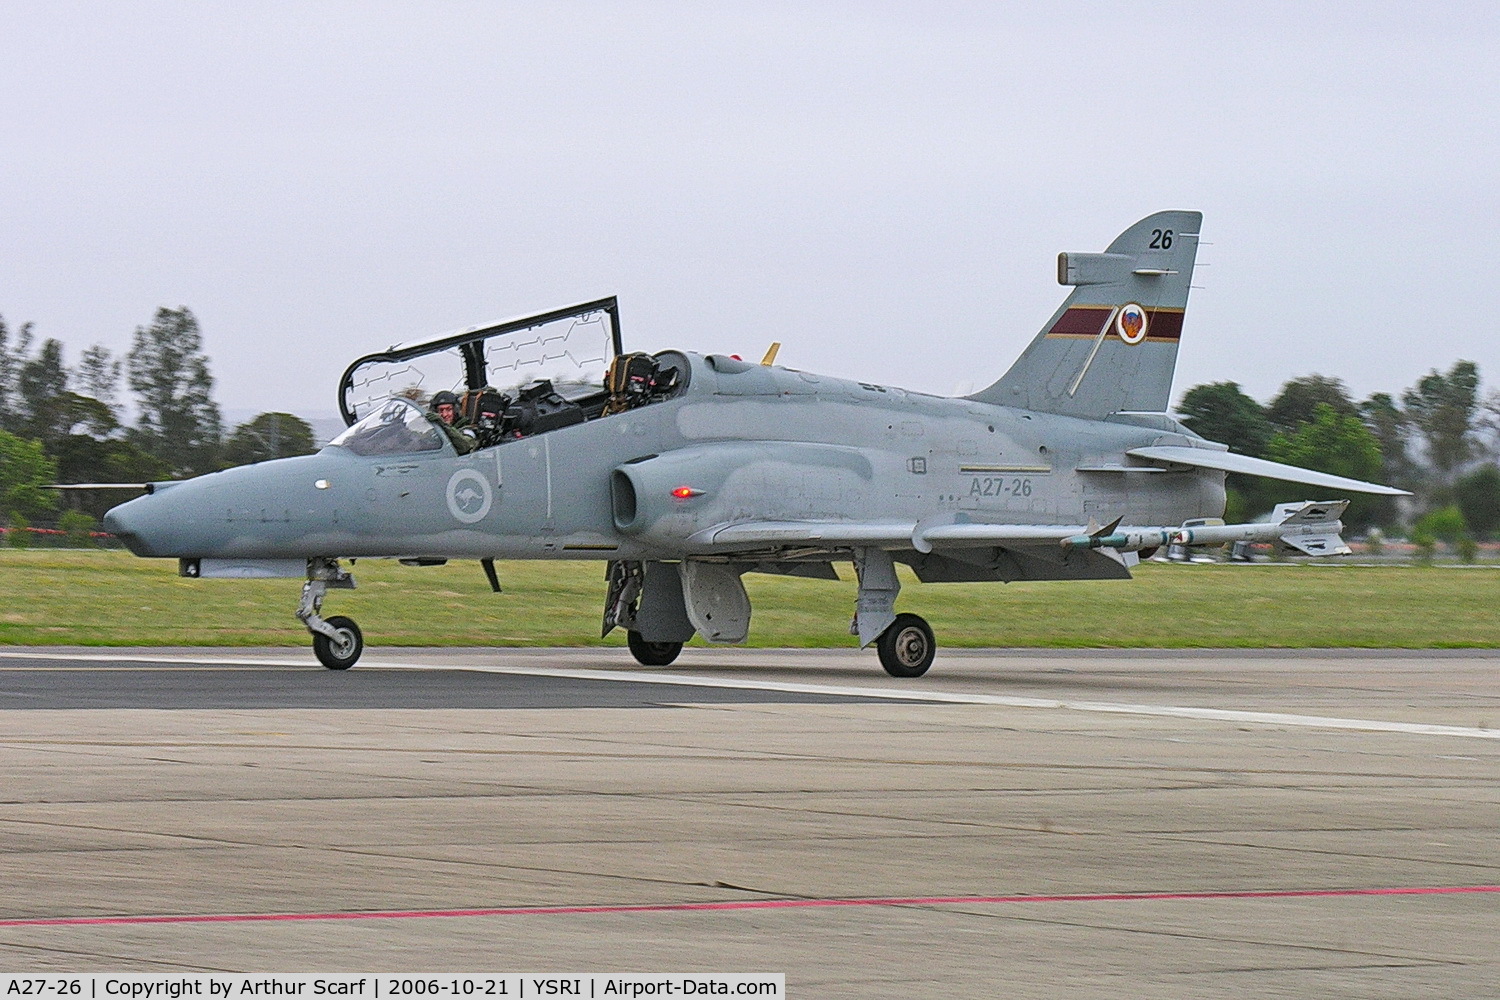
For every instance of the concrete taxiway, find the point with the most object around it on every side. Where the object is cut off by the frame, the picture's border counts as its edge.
(1084, 824)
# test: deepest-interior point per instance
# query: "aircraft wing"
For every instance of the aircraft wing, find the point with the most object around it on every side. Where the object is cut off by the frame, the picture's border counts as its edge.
(1228, 461)
(749, 534)
(940, 536)
(922, 537)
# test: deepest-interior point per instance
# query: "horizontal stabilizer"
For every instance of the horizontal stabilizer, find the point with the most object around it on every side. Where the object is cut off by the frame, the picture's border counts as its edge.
(1228, 461)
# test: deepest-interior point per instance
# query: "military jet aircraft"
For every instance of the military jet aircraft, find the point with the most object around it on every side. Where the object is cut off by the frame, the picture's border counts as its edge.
(684, 471)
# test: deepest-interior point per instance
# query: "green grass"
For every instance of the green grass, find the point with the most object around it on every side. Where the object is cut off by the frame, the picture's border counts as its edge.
(61, 597)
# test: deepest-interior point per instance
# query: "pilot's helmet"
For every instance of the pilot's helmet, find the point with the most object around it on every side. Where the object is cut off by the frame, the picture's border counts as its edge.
(445, 405)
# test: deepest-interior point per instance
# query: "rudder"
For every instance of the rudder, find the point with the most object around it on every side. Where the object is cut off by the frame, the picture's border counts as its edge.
(1112, 346)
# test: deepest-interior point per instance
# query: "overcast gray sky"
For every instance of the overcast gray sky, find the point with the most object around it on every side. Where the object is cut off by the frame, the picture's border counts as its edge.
(882, 186)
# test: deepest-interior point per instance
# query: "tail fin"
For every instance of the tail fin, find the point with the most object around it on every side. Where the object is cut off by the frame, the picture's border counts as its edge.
(1113, 344)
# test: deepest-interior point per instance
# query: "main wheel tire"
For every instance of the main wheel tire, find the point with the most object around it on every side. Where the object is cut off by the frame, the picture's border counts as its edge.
(339, 652)
(652, 654)
(907, 647)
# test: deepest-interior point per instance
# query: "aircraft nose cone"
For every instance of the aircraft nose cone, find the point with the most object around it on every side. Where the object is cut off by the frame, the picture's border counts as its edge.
(127, 525)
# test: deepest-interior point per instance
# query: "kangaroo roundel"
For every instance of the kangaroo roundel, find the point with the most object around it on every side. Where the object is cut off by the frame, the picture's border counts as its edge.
(1130, 324)
(469, 496)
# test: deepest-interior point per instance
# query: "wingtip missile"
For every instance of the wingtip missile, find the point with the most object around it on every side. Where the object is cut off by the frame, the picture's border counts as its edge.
(1311, 527)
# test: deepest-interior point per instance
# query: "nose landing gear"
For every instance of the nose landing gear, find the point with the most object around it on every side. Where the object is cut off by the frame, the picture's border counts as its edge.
(337, 641)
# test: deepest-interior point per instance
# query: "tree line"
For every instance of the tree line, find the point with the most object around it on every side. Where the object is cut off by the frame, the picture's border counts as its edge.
(62, 423)
(1438, 439)
(68, 424)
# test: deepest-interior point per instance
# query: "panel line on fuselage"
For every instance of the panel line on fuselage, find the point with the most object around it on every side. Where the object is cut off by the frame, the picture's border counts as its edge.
(547, 462)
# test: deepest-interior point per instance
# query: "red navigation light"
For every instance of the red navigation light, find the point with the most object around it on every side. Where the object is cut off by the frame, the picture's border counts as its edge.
(684, 492)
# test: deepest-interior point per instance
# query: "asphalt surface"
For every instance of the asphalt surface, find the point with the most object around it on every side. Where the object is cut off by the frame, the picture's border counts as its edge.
(1014, 824)
(140, 684)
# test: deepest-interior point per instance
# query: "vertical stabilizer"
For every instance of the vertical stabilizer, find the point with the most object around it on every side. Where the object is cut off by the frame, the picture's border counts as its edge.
(1113, 344)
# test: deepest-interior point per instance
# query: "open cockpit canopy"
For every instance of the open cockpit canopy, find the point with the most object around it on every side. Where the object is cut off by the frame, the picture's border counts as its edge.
(572, 347)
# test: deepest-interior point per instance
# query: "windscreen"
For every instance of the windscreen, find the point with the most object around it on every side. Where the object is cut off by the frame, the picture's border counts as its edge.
(396, 428)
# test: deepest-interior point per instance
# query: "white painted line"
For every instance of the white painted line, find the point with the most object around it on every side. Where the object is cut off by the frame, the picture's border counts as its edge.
(840, 690)
(150, 656)
(150, 659)
(1008, 701)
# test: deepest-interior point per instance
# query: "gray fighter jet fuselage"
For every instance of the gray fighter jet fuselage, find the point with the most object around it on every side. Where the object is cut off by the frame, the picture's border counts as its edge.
(1065, 469)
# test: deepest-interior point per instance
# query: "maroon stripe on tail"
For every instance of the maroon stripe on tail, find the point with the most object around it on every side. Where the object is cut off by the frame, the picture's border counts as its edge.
(1080, 321)
(1165, 325)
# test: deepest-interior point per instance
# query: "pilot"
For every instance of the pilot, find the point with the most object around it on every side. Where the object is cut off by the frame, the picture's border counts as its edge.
(445, 405)
(443, 411)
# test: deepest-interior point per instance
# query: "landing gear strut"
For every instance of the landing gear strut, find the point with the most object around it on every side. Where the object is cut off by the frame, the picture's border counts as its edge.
(646, 599)
(907, 647)
(337, 642)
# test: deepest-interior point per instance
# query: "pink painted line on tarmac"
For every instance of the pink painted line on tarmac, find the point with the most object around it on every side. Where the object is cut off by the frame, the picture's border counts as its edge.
(755, 904)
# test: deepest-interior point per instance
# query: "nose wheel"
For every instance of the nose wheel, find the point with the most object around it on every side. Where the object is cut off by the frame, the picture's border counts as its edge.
(907, 646)
(339, 650)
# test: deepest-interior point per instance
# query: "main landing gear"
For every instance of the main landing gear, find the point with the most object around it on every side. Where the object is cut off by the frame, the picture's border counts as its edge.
(907, 647)
(671, 602)
(647, 599)
(337, 641)
(904, 642)
(652, 654)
